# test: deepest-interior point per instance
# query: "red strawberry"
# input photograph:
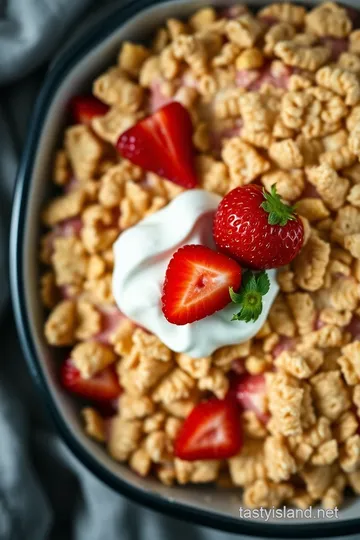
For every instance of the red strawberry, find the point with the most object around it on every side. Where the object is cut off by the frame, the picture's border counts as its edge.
(85, 108)
(162, 143)
(257, 228)
(197, 284)
(102, 387)
(211, 431)
(250, 393)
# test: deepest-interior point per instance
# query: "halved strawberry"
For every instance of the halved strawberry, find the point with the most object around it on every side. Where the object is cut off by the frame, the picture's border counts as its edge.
(102, 387)
(162, 143)
(197, 284)
(85, 108)
(250, 393)
(211, 431)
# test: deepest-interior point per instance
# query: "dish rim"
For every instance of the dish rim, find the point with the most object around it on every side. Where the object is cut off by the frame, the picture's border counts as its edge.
(105, 25)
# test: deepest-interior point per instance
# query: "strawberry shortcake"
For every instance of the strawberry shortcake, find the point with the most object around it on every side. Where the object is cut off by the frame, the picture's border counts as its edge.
(201, 259)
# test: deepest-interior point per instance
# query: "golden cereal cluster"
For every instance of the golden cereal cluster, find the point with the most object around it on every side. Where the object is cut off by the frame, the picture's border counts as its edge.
(274, 97)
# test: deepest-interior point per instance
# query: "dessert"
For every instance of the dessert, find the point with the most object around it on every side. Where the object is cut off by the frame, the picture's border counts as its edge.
(224, 154)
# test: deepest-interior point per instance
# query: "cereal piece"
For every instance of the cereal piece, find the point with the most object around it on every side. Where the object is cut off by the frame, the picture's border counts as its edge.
(289, 184)
(354, 481)
(303, 309)
(280, 131)
(285, 279)
(134, 206)
(166, 473)
(196, 367)
(244, 162)
(332, 187)
(250, 59)
(227, 55)
(112, 183)
(62, 169)
(338, 159)
(172, 427)
(131, 57)
(94, 424)
(131, 407)
(176, 28)
(350, 454)
(330, 394)
(111, 125)
(96, 267)
(252, 426)
(279, 463)
(197, 472)
(213, 175)
(228, 103)
(354, 196)
(202, 19)
(151, 346)
(216, 382)
(243, 31)
(354, 42)
(60, 325)
(344, 294)
(301, 499)
(139, 373)
(354, 141)
(330, 316)
(175, 386)
(48, 291)
(318, 479)
(123, 437)
(140, 462)
(352, 243)
(280, 318)
(100, 290)
(264, 494)
(88, 320)
(282, 31)
(346, 426)
(201, 138)
(349, 363)
(182, 407)
(326, 453)
(85, 151)
(347, 222)
(191, 50)
(301, 365)
(312, 209)
(310, 265)
(309, 58)
(333, 497)
(350, 62)
(307, 413)
(328, 19)
(255, 364)
(225, 356)
(319, 433)
(285, 398)
(249, 465)
(69, 260)
(156, 445)
(90, 357)
(285, 12)
(150, 71)
(114, 88)
(342, 82)
(155, 422)
(286, 154)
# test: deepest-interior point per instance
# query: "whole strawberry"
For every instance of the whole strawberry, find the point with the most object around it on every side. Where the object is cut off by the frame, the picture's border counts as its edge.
(257, 228)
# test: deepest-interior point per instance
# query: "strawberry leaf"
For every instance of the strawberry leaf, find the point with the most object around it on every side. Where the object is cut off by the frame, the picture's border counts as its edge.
(254, 287)
(279, 212)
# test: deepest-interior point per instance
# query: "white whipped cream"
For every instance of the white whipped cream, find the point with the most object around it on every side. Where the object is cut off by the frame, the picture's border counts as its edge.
(142, 254)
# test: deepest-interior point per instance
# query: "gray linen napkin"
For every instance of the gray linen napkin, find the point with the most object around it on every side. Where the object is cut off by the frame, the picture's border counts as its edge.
(45, 493)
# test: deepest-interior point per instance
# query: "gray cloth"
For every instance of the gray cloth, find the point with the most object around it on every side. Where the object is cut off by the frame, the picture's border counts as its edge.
(45, 493)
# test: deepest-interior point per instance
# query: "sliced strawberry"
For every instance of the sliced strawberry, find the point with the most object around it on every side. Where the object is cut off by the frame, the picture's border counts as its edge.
(250, 393)
(85, 108)
(284, 344)
(211, 431)
(162, 143)
(102, 387)
(197, 284)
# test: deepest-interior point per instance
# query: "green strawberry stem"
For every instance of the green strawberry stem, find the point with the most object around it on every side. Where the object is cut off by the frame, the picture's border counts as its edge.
(279, 212)
(253, 288)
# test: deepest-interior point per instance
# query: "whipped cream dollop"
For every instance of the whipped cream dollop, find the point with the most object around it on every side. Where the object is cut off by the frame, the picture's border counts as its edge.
(142, 254)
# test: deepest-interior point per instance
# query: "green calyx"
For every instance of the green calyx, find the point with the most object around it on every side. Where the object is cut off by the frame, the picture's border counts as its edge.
(279, 212)
(253, 288)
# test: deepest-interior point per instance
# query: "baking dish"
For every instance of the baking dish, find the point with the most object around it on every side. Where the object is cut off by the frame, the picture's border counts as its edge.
(72, 73)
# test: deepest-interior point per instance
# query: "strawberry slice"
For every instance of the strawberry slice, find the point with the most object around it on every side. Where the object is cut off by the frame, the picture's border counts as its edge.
(102, 387)
(197, 284)
(250, 393)
(211, 431)
(162, 143)
(85, 108)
